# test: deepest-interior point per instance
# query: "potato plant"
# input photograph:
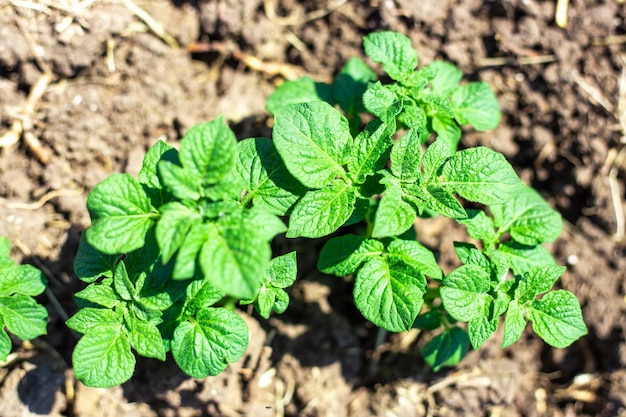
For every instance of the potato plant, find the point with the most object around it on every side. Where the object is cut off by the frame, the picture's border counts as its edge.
(170, 254)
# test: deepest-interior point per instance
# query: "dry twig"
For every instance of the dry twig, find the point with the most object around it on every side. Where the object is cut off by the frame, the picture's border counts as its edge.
(154, 26)
(269, 6)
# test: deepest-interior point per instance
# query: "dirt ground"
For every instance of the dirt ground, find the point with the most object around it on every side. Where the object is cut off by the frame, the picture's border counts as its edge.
(86, 86)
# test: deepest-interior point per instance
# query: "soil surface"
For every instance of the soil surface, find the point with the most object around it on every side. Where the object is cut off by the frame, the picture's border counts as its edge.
(87, 86)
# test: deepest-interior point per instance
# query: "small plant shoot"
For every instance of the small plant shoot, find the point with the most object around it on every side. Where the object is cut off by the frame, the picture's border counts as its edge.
(20, 313)
(169, 254)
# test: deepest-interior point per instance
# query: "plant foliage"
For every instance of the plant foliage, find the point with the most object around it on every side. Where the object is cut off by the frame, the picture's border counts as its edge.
(169, 253)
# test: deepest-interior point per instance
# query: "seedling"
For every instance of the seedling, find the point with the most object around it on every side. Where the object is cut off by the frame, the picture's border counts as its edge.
(168, 255)
(19, 311)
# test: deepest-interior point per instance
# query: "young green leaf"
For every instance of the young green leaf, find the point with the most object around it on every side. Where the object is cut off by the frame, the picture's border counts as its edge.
(268, 183)
(389, 292)
(103, 358)
(172, 228)
(476, 104)
(557, 318)
(370, 150)
(406, 155)
(145, 338)
(208, 150)
(303, 90)
(101, 293)
(185, 265)
(343, 255)
(446, 349)
(479, 226)
(480, 328)
(321, 212)
(442, 201)
(394, 216)
(447, 130)
(23, 316)
(436, 154)
(521, 258)
(313, 140)
(148, 175)
(120, 213)
(207, 345)
(5, 342)
(481, 175)
(122, 283)
(514, 324)
(446, 77)
(91, 264)
(528, 218)
(233, 262)
(21, 279)
(464, 292)
(381, 102)
(350, 84)
(90, 319)
(414, 117)
(184, 184)
(413, 252)
(394, 51)
(280, 274)
(537, 280)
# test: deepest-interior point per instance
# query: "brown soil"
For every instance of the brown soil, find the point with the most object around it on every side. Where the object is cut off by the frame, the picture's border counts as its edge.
(116, 86)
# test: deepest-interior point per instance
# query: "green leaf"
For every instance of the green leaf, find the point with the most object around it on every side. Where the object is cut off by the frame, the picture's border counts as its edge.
(350, 84)
(258, 221)
(537, 280)
(447, 130)
(479, 226)
(313, 140)
(5, 343)
(148, 175)
(185, 266)
(406, 155)
(381, 102)
(90, 319)
(389, 293)
(298, 91)
(321, 212)
(233, 262)
(184, 184)
(282, 270)
(208, 150)
(514, 324)
(464, 292)
(343, 255)
(90, 264)
(100, 293)
(280, 274)
(206, 346)
(172, 228)
(447, 77)
(414, 117)
(528, 218)
(557, 318)
(122, 283)
(416, 254)
(145, 338)
(476, 104)
(370, 151)
(394, 216)
(22, 279)
(430, 320)
(200, 295)
(394, 51)
(436, 154)
(268, 182)
(480, 328)
(23, 316)
(103, 358)
(120, 214)
(446, 349)
(521, 257)
(481, 175)
(442, 201)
